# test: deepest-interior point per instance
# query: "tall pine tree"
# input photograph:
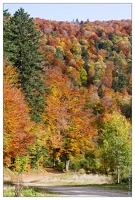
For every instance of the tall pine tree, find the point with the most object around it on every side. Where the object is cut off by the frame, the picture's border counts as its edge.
(21, 46)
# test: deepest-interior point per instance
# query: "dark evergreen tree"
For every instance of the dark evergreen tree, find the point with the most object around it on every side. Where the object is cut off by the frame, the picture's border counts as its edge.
(21, 46)
(119, 82)
(6, 14)
(6, 28)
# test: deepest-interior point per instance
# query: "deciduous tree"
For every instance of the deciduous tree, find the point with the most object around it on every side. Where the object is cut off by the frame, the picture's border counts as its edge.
(17, 126)
(116, 144)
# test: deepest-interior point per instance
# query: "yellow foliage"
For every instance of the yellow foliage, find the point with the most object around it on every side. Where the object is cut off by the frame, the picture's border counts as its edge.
(70, 68)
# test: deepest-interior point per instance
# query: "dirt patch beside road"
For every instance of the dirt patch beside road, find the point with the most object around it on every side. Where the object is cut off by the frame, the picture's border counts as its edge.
(68, 178)
(53, 177)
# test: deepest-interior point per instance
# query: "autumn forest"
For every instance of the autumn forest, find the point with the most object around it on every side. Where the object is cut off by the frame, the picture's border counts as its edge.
(67, 94)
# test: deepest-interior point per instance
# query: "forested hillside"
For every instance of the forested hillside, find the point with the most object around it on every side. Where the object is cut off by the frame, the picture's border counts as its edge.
(67, 94)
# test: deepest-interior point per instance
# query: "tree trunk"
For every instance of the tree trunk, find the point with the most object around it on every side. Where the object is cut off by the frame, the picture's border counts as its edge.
(54, 162)
(118, 174)
(67, 165)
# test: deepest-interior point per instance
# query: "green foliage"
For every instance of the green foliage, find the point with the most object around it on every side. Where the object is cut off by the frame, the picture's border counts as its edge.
(116, 143)
(9, 193)
(99, 68)
(120, 82)
(76, 50)
(51, 49)
(59, 53)
(126, 107)
(60, 166)
(29, 192)
(111, 36)
(6, 15)
(21, 40)
(38, 154)
(83, 76)
(93, 162)
(21, 163)
(75, 166)
(54, 34)
(89, 164)
(84, 51)
(105, 44)
(83, 42)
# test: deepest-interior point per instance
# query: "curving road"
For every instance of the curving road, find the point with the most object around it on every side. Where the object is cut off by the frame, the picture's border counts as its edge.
(85, 191)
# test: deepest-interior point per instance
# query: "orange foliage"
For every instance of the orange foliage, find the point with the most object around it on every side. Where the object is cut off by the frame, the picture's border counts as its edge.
(68, 121)
(74, 114)
(18, 138)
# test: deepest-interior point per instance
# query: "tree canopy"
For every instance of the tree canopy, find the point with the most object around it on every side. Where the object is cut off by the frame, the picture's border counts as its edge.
(21, 46)
(67, 94)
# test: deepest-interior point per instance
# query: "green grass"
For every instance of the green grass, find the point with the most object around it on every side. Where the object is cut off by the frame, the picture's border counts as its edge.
(9, 193)
(66, 176)
(121, 187)
(30, 192)
(41, 192)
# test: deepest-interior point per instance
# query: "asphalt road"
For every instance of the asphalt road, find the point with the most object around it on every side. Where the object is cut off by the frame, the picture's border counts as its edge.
(85, 191)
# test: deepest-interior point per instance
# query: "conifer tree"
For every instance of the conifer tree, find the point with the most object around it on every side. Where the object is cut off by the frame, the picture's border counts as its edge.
(21, 46)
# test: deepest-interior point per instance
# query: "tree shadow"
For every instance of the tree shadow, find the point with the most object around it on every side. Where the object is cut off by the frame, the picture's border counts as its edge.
(53, 170)
(8, 183)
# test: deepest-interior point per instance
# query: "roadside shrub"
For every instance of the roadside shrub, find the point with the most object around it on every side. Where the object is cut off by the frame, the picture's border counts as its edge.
(21, 163)
(48, 163)
(84, 164)
(75, 166)
(29, 192)
(60, 166)
(9, 192)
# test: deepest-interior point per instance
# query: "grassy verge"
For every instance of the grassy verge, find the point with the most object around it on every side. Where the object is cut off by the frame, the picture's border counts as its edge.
(29, 192)
(9, 191)
(120, 187)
